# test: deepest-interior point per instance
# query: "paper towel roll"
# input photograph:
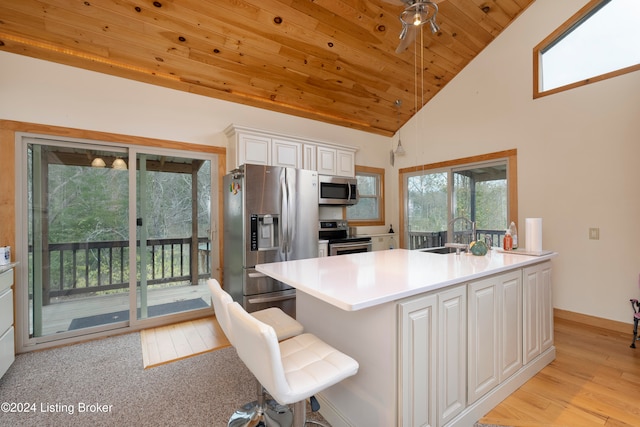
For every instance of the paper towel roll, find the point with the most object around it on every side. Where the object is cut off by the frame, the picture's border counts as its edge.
(533, 234)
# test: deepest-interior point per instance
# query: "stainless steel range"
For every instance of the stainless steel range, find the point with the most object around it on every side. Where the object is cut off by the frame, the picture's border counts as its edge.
(336, 231)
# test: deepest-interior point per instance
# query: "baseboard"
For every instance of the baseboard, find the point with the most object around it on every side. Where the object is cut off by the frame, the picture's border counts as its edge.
(486, 403)
(598, 322)
(329, 413)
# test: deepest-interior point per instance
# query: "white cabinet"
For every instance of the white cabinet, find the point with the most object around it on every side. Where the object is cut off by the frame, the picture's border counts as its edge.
(256, 149)
(432, 368)
(253, 149)
(494, 332)
(452, 353)
(7, 346)
(417, 375)
(309, 157)
(537, 310)
(333, 161)
(286, 153)
(323, 248)
(253, 146)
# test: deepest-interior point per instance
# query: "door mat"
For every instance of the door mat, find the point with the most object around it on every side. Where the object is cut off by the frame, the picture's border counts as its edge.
(153, 311)
(166, 344)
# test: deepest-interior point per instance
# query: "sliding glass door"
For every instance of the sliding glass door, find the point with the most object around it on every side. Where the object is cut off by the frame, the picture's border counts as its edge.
(113, 236)
(173, 221)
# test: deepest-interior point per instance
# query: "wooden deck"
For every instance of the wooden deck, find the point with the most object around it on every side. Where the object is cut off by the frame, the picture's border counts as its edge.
(58, 315)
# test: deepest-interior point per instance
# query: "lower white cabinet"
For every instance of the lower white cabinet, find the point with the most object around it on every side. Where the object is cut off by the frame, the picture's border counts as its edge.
(458, 344)
(7, 343)
(537, 310)
(494, 332)
(323, 248)
(452, 353)
(432, 372)
(417, 374)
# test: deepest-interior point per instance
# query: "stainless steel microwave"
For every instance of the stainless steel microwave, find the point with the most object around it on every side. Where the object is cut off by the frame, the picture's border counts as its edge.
(337, 190)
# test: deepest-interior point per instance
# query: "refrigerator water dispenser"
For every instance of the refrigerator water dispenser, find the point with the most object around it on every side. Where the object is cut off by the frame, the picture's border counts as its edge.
(264, 232)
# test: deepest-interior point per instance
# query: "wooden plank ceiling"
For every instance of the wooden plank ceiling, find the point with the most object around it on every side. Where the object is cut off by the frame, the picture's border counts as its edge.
(327, 60)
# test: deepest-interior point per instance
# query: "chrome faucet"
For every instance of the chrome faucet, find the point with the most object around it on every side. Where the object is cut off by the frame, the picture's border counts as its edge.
(468, 221)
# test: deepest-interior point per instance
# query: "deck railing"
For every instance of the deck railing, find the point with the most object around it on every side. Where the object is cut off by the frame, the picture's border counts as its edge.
(434, 239)
(88, 267)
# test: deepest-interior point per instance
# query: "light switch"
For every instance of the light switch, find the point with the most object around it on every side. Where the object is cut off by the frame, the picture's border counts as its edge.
(594, 234)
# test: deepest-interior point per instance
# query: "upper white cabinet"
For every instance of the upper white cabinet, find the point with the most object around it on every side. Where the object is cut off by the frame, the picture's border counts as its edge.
(286, 153)
(334, 161)
(253, 149)
(264, 148)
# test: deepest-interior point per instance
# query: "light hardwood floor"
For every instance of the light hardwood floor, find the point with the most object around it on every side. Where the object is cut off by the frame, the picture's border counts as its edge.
(594, 381)
(169, 343)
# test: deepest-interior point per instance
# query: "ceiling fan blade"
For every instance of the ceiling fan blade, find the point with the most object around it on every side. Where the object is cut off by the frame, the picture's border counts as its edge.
(408, 39)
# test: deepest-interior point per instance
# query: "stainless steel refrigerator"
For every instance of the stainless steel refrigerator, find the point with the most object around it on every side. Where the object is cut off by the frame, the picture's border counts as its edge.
(270, 215)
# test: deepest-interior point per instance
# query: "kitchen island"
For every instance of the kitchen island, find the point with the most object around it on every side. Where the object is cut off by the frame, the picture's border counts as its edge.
(440, 339)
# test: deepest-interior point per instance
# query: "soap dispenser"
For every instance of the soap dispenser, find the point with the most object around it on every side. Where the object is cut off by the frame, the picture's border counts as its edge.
(507, 242)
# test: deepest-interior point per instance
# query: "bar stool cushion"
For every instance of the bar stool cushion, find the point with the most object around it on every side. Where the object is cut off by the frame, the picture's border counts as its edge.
(284, 325)
(292, 370)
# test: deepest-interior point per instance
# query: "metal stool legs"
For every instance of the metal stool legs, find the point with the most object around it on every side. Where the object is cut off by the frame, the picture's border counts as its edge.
(262, 413)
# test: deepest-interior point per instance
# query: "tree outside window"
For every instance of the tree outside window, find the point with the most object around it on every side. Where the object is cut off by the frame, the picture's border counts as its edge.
(370, 208)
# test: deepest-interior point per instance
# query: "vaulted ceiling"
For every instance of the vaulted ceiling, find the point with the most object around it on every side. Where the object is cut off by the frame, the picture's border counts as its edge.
(329, 60)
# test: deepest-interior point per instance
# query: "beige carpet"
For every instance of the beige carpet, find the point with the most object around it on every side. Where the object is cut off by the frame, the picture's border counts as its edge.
(167, 344)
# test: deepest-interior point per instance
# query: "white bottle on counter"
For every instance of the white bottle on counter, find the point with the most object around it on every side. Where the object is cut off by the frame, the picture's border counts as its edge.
(514, 234)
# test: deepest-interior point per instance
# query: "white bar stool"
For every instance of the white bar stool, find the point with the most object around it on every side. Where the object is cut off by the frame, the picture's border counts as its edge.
(292, 370)
(263, 411)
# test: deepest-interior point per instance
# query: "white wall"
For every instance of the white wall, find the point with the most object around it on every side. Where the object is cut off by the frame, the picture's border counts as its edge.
(48, 93)
(577, 154)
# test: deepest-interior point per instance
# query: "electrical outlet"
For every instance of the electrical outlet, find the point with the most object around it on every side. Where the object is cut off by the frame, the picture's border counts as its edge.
(594, 234)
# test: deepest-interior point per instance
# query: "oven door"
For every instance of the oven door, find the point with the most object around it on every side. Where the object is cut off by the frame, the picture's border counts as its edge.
(349, 248)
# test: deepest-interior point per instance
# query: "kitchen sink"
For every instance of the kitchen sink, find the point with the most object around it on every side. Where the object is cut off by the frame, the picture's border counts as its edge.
(441, 250)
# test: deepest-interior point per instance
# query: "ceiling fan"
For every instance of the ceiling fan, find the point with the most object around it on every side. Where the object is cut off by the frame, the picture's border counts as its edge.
(415, 14)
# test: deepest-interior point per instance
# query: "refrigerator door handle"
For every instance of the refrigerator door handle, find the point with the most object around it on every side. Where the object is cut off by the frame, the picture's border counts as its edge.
(259, 300)
(284, 206)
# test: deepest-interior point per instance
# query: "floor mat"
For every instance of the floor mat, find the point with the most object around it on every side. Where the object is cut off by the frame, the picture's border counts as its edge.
(167, 344)
(153, 311)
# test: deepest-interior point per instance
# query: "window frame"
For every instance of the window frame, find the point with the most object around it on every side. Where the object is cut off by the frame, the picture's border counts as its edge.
(582, 15)
(379, 174)
(511, 156)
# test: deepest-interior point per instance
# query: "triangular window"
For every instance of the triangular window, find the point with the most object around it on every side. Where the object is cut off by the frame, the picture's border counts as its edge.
(600, 41)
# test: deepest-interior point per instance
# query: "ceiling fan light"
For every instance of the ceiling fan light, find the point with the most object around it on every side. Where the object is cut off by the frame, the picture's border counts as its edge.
(417, 19)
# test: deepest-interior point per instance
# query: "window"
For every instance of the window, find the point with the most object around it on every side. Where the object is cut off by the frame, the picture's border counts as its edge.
(599, 42)
(441, 201)
(370, 208)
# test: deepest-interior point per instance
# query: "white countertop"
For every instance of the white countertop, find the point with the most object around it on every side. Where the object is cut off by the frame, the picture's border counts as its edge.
(362, 280)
